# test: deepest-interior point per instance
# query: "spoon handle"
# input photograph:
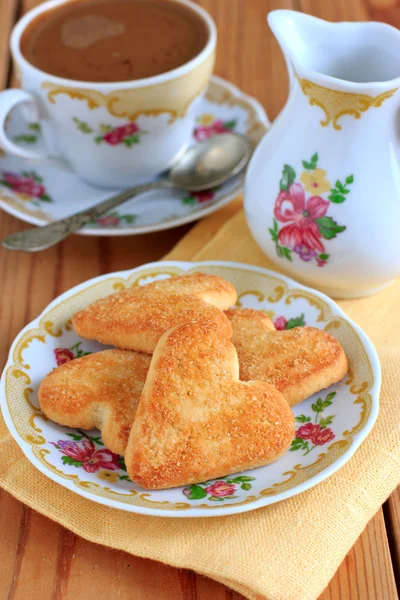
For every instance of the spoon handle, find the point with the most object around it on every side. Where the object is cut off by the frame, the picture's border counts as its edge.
(40, 238)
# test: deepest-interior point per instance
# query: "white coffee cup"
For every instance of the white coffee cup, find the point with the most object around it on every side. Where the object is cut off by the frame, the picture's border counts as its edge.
(111, 134)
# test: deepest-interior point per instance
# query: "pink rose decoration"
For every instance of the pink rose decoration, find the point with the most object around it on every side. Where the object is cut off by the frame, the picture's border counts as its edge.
(24, 185)
(301, 231)
(315, 433)
(203, 196)
(219, 489)
(113, 137)
(322, 436)
(108, 221)
(306, 432)
(11, 178)
(63, 355)
(280, 323)
(118, 134)
(207, 131)
(129, 129)
(92, 459)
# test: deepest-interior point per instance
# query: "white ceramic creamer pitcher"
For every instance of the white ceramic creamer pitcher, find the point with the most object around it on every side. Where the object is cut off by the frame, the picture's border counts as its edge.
(322, 193)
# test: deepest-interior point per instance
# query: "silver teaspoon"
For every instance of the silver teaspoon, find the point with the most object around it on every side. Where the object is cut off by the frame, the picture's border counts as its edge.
(202, 167)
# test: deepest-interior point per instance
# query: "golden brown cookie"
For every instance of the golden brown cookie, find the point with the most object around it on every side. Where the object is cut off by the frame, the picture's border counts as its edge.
(136, 318)
(99, 391)
(299, 362)
(196, 420)
(210, 288)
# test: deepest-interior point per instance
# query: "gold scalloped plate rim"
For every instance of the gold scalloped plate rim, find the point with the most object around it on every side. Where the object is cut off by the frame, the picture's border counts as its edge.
(257, 122)
(297, 481)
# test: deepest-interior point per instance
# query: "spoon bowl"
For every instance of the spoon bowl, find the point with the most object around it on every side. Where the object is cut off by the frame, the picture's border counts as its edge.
(211, 163)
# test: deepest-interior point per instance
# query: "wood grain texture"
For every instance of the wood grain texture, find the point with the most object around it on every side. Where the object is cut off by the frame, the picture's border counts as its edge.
(392, 514)
(40, 559)
(8, 11)
(366, 572)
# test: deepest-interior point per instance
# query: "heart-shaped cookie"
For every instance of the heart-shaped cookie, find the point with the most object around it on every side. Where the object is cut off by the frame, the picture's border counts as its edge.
(299, 362)
(136, 318)
(103, 390)
(196, 420)
(99, 391)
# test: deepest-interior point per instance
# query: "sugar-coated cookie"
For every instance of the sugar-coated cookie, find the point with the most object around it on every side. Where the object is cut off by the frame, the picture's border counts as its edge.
(299, 362)
(196, 420)
(100, 391)
(136, 318)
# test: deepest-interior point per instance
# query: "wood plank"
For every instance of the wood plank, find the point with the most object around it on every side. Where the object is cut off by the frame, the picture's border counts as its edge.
(8, 12)
(36, 553)
(387, 11)
(106, 571)
(392, 513)
(340, 10)
(366, 572)
(11, 516)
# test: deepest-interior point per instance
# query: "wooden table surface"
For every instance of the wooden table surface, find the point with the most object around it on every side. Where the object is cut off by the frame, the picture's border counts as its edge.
(40, 559)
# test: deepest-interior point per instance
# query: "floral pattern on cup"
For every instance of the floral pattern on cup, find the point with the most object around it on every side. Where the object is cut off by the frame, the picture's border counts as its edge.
(312, 434)
(28, 186)
(128, 134)
(82, 452)
(209, 125)
(194, 198)
(218, 490)
(305, 219)
(281, 323)
(64, 355)
(31, 136)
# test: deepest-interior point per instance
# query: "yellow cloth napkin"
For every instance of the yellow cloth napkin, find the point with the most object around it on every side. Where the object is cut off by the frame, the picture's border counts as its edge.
(286, 551)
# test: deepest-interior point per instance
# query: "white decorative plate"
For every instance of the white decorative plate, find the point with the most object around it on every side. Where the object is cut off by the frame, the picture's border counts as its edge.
(330, 425)
(39, 193)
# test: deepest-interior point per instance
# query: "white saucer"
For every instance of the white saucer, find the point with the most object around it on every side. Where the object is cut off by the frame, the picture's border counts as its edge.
(39, 193)
(330, 425)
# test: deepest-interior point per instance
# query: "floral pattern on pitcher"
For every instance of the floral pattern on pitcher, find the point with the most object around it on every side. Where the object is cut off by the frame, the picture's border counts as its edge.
(27, 185)
(312, 434)
(305, 219)
(128, 134)
(209, 125)
(218, 490)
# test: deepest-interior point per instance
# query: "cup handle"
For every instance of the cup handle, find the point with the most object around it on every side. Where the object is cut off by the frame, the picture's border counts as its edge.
(8, 100)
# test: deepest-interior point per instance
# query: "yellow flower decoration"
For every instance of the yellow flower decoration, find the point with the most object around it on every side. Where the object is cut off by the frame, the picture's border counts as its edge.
(315, 182)
(105, 475)
(207, 119)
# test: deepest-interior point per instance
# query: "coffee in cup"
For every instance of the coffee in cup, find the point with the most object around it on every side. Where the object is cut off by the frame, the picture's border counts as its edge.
(114, 83)
(113, 40)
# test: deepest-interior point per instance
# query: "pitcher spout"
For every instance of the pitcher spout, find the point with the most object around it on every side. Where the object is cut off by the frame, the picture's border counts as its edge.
(355, 56)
